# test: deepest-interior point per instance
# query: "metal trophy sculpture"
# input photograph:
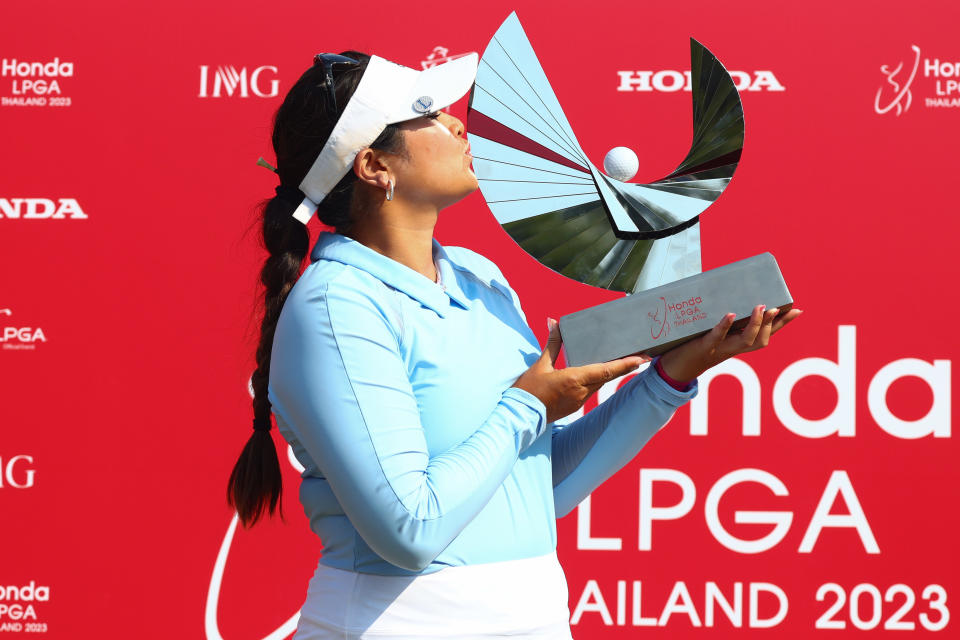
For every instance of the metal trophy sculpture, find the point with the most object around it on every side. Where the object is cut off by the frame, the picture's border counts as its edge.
(599, 229)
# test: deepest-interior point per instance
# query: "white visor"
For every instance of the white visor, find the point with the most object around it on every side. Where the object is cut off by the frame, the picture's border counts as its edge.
(387, 93)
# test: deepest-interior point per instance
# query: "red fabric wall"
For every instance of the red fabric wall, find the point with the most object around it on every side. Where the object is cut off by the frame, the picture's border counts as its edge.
(129, 265)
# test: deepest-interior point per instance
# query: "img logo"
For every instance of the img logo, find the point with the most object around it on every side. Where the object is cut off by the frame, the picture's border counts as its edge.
(17, 472)
(229, 81)
(899, 97)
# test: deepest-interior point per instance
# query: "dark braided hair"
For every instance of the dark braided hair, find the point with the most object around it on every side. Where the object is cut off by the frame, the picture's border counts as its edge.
(301, 127)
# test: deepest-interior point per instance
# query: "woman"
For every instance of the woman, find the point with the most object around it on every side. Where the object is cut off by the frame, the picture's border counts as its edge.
(406, 379)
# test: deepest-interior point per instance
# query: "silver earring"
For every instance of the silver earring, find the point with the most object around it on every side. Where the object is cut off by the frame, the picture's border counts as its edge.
(390, 191)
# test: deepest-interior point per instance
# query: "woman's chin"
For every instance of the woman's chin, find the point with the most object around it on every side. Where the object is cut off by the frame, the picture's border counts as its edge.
(473, 186)
(469, 188)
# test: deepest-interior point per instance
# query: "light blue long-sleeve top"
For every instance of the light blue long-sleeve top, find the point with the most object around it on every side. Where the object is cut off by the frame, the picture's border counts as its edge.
(395, 394)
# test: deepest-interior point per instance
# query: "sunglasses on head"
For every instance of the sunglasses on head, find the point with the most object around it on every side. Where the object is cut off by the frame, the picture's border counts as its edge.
(328, 60)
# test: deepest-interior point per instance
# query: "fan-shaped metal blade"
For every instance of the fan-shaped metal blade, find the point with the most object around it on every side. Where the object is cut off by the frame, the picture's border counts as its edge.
(560, 208)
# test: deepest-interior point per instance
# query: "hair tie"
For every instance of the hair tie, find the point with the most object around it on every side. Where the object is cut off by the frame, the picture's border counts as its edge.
(262, 424)
(290, 195)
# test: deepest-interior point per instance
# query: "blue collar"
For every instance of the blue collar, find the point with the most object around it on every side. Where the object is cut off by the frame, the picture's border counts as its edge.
(340, 248)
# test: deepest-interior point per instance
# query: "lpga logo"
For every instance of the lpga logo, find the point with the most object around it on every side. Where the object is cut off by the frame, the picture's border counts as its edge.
(902, 98)
(19, 338)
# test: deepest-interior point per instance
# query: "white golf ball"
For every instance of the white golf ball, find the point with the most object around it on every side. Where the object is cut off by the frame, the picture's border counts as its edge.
(621, 163)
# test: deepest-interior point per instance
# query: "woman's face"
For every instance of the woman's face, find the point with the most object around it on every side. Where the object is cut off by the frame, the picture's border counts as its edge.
(435, 170)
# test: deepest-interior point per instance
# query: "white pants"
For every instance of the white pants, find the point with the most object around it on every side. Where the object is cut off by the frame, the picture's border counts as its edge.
(517, 598)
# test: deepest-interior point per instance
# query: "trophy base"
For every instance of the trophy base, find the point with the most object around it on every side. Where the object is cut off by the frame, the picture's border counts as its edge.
(661, 318)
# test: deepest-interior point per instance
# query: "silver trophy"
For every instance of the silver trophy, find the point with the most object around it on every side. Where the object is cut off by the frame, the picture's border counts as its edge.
(600, 229)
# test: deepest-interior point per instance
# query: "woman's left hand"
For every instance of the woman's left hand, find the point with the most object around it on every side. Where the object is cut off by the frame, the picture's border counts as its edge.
(689, 360)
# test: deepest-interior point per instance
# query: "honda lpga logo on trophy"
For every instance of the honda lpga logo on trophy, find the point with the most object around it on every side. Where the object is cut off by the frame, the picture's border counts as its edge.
(598, 227)
(659, 326)
(675, 314)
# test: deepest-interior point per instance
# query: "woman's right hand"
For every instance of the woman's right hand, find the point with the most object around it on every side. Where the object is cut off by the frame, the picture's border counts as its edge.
(563, 391)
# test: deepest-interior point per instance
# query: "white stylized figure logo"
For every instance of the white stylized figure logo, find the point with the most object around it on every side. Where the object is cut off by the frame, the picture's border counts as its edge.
(6, 312)
(902, 96)
(213, 594)
(210, 625)
(439, 55)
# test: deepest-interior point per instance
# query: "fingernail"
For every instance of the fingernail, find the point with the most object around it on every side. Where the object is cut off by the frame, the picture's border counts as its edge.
(550, 324)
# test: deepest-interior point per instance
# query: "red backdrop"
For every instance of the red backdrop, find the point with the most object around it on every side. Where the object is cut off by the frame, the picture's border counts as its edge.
(128, 188)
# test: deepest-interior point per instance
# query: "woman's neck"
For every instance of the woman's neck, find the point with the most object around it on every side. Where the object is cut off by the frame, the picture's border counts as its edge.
(408, 241)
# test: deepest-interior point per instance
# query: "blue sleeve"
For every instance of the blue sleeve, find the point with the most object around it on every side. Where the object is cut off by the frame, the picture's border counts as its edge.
(591, 449)
(341, 384)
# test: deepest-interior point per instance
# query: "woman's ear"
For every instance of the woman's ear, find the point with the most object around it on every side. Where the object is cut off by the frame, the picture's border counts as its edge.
(371, 167)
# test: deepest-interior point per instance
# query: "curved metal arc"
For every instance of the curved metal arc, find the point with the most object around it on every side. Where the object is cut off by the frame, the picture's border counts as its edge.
(718, 123)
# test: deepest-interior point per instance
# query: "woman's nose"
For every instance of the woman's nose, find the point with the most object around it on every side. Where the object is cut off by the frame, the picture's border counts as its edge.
(456, 126)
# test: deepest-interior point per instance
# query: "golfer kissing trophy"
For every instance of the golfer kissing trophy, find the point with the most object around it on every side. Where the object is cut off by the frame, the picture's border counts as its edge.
(600, 229)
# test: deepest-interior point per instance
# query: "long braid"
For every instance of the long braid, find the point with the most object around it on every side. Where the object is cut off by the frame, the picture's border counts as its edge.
(301, 127)
(255, 485)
